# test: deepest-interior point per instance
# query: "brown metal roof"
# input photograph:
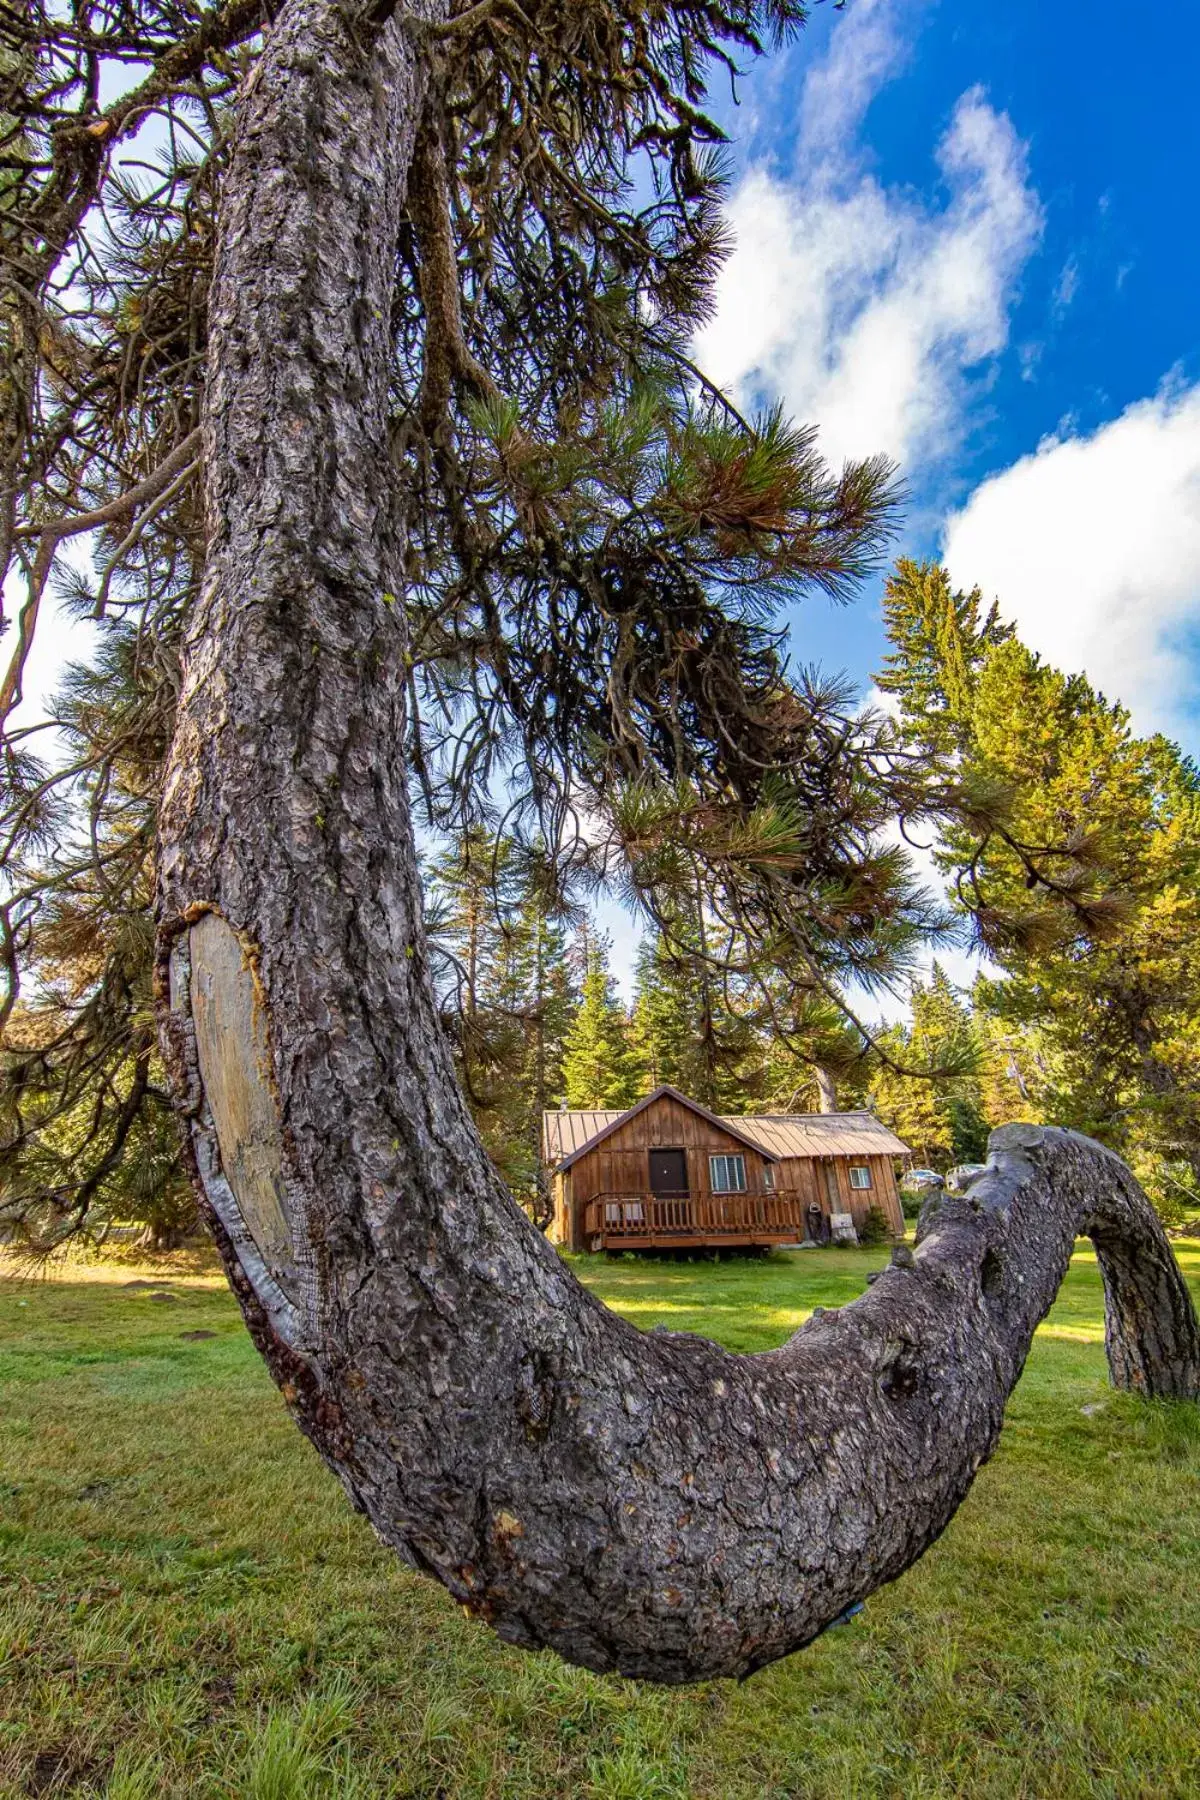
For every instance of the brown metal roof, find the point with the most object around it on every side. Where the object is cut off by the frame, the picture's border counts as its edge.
(823, 1134)
(565, 1135)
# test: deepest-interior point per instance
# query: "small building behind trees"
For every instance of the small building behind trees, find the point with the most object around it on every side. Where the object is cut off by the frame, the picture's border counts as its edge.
(668, 1174)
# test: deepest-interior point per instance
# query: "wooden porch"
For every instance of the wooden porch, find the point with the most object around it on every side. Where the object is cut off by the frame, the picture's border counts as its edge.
(656, 1221)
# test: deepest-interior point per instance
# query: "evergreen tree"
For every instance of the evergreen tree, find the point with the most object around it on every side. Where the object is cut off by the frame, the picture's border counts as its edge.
(941, 639)
(595, 540)
(942, 1118)
(86, 1130)
(498, 926)
(812, 1061)
(444, 348)
(601, 1069)
(688, 1030)
(472, 891)
(1083, 881)
(541, 993)
(665, 1019)
(1013, 1066)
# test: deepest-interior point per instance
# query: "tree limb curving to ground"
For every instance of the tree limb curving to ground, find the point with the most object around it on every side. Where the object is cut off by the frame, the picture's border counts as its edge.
(644, 1503)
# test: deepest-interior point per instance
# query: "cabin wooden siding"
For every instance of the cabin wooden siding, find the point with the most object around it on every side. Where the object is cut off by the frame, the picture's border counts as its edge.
(806, 1174)
(620, 1165)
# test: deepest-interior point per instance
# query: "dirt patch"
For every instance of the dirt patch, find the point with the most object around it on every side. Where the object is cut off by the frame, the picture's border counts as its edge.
(219, 1693)
(59, 1771)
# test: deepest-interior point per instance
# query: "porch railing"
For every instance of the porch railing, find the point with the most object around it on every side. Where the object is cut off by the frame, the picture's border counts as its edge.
(773, 1212)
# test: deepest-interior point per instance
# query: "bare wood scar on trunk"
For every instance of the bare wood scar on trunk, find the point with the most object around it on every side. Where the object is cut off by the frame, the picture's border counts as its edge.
(233, 1052)
(234, 1119)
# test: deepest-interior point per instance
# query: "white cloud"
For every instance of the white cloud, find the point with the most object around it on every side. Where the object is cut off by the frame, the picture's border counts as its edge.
(1092, 547)
(1066, 287)
(865, 51)
(866, 308)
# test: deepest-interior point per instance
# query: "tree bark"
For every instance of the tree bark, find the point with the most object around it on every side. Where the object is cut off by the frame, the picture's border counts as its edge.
(826, 1090)
(650, 1504)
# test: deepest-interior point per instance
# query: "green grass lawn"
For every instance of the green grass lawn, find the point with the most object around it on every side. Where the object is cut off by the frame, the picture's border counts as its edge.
(188, 1607)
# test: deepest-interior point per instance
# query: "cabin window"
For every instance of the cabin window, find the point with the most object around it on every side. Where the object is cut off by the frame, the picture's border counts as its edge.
(769, 1177)
(860, 1175)
(727, 1174)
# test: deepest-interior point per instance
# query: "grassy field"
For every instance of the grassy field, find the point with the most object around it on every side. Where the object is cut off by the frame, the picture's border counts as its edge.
(188, 1607)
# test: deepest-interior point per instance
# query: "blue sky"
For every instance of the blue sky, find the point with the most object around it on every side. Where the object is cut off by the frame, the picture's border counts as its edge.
(967, 236)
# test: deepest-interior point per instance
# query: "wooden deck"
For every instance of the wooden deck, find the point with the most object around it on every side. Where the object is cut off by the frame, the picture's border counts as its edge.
(681, 1221)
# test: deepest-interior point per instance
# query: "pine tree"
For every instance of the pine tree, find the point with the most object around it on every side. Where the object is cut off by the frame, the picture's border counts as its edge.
(694, 1024)
(498, 923)
(810, 1055)
(541, 992)
(87, 1136)
(941, 638)
(444, 348)
(940, 1118)
(1080, 867)
(601, 1069)
(669, 1021)
(471, 882)
(597, 543)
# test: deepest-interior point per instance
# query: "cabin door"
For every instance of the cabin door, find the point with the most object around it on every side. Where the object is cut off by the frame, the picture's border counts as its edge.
(668, 1172)
(669, 1185)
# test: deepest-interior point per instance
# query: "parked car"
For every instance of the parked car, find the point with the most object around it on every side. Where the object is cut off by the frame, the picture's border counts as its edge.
(920, 1181)
(960, 1178)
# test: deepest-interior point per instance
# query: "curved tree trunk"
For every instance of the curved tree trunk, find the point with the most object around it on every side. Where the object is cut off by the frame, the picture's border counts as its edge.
(645, 1503)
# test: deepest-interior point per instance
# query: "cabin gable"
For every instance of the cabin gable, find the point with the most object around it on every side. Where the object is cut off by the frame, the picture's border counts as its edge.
(620, 1165)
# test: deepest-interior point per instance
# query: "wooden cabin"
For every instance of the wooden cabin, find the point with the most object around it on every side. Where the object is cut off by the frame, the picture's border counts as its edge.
(668, 1174)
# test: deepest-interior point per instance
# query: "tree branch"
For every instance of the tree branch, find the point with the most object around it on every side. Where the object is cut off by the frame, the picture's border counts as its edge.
(165, 480)
(184, 457)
